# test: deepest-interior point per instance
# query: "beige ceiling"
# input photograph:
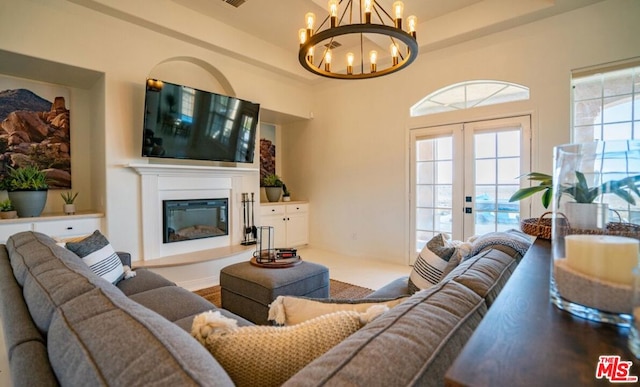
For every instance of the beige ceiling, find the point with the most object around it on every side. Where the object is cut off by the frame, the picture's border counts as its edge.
(264, 32)
(441, 22)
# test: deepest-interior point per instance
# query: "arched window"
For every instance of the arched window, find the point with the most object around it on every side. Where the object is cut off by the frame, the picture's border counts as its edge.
(469, 94)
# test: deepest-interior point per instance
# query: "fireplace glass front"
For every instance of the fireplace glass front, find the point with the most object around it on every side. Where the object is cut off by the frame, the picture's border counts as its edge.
(194, 219)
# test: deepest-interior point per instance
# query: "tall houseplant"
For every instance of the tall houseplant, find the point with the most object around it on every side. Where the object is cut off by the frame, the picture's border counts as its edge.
(273, 187)
(27, 188)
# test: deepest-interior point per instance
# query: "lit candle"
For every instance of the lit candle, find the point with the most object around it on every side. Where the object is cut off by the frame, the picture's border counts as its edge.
(606, 257)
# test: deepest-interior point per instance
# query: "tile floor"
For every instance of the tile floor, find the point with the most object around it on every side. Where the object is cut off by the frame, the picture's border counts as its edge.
(358, 271)
(364, 272)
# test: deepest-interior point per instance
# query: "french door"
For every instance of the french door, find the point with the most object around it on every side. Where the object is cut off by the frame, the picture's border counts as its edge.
(462, 177)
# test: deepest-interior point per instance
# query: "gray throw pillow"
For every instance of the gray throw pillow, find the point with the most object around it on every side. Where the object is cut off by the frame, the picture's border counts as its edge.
(100, 256)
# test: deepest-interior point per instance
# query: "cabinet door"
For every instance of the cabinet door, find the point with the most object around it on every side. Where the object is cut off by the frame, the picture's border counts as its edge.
(274, 216)
(67, 228)
(297, 229)
(279, 229)
(6, 230)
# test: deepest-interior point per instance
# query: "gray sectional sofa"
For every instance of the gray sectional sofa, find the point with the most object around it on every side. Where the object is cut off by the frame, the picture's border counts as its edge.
(64, 325)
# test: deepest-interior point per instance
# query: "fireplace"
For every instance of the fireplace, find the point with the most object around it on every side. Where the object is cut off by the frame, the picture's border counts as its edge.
(191, 219)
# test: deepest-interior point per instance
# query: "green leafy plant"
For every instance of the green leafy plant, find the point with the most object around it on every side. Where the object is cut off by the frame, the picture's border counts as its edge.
(28, 178)
(6, 205)
(69, 197)
(272, 180)
(285, 191)
(546, 185)
(580, 191)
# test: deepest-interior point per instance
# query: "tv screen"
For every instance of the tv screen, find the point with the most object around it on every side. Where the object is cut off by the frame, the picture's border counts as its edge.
(186, 123)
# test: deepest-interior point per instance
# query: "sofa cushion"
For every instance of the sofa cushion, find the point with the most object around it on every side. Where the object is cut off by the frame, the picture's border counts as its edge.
(104, 338)
(396, 288)
(290, 310)
(51, 275)
(431, 263)
(412, 344)
(268, 356)
(28, 362)
(512, 242)
(485, 274)
(96, 251)
(144, 280)
(172, 302)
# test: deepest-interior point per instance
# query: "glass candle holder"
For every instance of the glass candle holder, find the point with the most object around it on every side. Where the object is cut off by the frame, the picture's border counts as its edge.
(634, 331)
(596, 229)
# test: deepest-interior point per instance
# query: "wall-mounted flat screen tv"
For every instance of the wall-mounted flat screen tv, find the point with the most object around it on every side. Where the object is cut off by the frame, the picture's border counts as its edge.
(185, 123)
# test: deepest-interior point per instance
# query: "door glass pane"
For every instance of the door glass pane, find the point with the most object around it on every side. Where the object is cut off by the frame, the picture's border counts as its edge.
(434, 179)
(496, 180)
(485, 145)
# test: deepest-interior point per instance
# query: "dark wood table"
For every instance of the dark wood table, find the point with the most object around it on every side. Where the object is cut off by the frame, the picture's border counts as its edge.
(524, 340)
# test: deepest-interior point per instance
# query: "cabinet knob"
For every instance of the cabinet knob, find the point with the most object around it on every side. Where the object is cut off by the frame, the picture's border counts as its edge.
(70, 228)
(272, 210)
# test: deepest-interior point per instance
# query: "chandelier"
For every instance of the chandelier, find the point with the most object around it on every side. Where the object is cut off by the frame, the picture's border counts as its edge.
(359, 37)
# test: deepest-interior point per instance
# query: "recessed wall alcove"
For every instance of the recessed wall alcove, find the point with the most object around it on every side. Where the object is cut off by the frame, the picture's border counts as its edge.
(87, 117)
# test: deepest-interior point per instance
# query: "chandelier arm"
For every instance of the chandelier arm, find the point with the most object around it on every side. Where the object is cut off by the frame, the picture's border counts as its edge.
(383, 10)
(345, 12)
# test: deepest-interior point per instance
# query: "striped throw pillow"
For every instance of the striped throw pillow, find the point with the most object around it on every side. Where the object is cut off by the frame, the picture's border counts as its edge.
(96, 251)
(431, 264)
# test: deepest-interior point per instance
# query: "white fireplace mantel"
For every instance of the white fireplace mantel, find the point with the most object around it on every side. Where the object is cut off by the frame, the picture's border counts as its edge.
(167, 169)
(169, 182)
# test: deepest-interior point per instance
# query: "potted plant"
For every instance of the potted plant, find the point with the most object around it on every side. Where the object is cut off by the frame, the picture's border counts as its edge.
(273, 187)
(69, 207)
(27, 188)
(582, 195)
(286, 194)
(7, 211)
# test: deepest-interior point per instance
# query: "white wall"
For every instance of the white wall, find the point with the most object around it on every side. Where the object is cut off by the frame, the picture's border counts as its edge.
(351, 159)
(60, 31)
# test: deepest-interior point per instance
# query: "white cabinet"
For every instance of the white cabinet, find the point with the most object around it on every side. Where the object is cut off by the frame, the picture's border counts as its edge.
(55, 226)
(289, 220)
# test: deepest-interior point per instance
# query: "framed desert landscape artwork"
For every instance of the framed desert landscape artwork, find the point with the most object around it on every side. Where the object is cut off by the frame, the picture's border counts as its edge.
(35, 129)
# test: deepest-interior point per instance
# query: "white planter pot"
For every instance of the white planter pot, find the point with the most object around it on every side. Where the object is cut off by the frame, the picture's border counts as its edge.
(587, 216)
(69, 209)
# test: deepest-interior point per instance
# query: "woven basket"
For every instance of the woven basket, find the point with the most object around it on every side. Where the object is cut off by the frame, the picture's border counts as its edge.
(538, 227)
(541, 228)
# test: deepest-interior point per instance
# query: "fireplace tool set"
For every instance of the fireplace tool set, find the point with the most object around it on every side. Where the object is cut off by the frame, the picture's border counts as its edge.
(250, 230)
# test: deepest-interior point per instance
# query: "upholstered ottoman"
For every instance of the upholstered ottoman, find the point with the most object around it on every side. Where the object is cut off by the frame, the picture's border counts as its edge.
(247, 290)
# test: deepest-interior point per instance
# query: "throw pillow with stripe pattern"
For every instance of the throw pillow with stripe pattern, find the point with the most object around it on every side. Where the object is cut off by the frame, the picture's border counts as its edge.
(96, 251)
(432, 264)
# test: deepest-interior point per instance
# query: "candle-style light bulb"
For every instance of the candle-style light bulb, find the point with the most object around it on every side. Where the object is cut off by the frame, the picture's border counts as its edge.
(333, 12)
(397, 10)
(302, 35)
(412, 21)
(350, 63)
(309, 21)
(368, 7)
(327, 61)
(310, 55)
(373, 58)
(393, 48)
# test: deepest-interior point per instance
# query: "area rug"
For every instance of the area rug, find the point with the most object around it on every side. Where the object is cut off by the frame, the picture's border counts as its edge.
(337, 289)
